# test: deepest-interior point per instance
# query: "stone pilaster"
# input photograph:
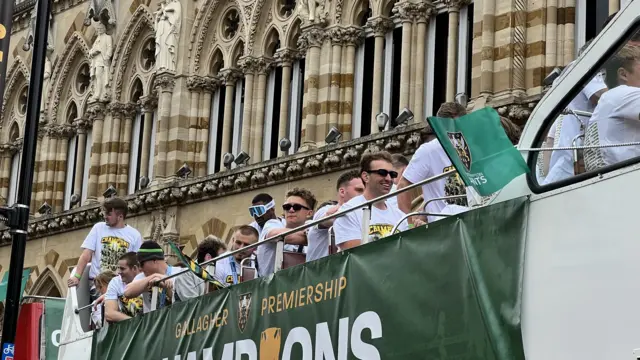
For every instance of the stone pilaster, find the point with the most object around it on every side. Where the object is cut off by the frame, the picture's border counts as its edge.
(263, 68)
(311, 41)
(380, 26)
(149, 104)
(81, 126)
(229, 77)
(96, 116)
(248, 65)
(63, 133)
(284, 58)
(353, 37)
(124, 148)
(210, 86)
(195, 85)
(165, 83)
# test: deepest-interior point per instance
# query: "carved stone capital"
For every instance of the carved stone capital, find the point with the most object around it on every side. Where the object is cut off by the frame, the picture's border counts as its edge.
(166, 81)
(380, 25)
(455, 5)
(408, 11)
(66, 131)
(263, 65)
(285, 57)
(336, 35)
(353, 35)
(311, 36)
(211, 84)
(129, 110)
(248, 64)
(95, 111)
(148, 103)
(230, 76)
(81, 125)
(116, 109)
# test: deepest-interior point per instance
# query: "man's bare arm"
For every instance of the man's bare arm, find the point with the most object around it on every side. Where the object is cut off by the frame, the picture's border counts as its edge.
(112, 314)
(349, 244)
(298, 238)
(84, 259)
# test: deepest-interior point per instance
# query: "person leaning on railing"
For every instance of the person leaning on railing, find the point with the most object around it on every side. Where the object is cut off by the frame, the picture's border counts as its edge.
(228, 269)
(190, 285)
(117, 306)
(376, 171)
(101, 282)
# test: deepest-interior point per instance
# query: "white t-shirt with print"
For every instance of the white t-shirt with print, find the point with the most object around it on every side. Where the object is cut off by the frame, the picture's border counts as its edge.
(393, 200)
(146, 296)
(108, 245)
(228, 270)
(317, 238)
(349, 226)
(267, 252)
(561, 162)
(127, 306)
(430, 160)
(616, 120)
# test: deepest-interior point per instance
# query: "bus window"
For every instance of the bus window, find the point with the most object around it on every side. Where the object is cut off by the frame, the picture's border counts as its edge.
(603, 117)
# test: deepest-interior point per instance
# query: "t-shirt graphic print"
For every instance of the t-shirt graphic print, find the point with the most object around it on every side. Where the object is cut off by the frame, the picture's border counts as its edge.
(379, 231)
(108, 245)
(111, 249)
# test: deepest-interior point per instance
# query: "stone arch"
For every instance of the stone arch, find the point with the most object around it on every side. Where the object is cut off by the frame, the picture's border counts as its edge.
(71, 111)
(256, 15)
(76, 46)
(216, 61)
(213, 226)
(141, 21)
(17, 74)
(385, 8)
(359, 12)
(209, 11)
(237, 52)
(272, 41)
(136, 89)
(14, 131)
(49, 283)
(291, 38)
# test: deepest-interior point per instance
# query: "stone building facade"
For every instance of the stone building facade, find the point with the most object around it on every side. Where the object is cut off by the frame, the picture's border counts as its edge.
(137, 89)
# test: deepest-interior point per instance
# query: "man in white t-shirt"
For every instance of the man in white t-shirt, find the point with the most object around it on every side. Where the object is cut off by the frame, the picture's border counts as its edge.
(190, 285)
(228, 269)
(349, 185)
(154, 268)
(376, 171)
(430, 160)
(262, 209)
(561, 161)
(107, 242)
(298, 208)
(117, 306)
(616, 119)
(400, 163)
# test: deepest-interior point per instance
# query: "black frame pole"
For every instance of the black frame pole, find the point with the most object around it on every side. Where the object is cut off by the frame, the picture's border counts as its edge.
(18, 215)
(6, 19)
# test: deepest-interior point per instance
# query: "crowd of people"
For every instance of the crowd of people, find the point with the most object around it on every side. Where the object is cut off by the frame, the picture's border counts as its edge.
(124, 268)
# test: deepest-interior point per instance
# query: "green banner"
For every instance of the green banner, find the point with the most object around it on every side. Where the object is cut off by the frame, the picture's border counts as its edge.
(450, 291)
(480, 150)
(53, 312)
(5, 281)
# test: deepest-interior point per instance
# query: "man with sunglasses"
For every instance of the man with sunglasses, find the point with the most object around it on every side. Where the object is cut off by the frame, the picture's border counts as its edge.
(298, 208)
(262, 209)
(376, 171)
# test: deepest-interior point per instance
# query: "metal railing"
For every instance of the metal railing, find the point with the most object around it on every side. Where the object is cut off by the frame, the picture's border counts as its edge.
(280, 237)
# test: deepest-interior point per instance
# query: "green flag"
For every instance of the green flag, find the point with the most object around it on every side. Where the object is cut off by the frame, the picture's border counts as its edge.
(480, 150)
(53, 312)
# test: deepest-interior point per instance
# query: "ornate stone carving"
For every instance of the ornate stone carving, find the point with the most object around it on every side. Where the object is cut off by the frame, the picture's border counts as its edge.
(353, 35)
(116, 109)
(200, 29)
(263, 65)
(100, 11)
(409, 11)
(195, 83)
(248, 64)
(165, 81)
(148, 103)
(380, 25)
(168, 23)
(101, 53)
(230, 76)
(81, 125)
(285, 56)
(95, 111)
(455, 5)
(46, 80)
(313, 11)
(311, 36)
(28, 43)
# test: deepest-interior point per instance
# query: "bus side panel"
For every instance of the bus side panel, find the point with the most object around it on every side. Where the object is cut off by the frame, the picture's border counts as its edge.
(582, 263)
(28, 332)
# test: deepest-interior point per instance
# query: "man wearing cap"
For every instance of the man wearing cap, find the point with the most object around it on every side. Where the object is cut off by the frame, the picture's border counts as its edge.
(154, 268)
(106, 243)
(262, 209)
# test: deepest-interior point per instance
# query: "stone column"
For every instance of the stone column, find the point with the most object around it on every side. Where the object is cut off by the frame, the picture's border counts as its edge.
(353, 37)
(54, 134)
(263, 68)
(488, 40)
(6, 153)
(124, 149)
(403, 11)
(81, 127)
(284, 58)
(422, 15)
(452, 51)
(248, 66)
(60, 173)
(229, 77)
(96, 115)
(149, 104)
(112, 146)
(337, 40)
(310, 40)
(380, 26)
(614, 6)
(194, 85)
(42, 166)
(210, 86)
(36, 169)
(165, 83)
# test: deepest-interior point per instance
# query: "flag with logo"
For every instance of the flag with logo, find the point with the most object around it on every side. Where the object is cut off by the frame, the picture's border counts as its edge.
(480, 150)
(194, 267)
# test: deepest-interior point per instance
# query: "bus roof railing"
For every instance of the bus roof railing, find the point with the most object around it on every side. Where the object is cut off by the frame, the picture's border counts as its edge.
(281, 236)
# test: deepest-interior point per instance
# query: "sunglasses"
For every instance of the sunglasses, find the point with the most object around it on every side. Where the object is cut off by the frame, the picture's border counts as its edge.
(295, 207)
(384, 173)
(259, 210)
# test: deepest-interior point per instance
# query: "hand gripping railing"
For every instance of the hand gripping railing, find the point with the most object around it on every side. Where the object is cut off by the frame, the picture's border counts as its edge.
(280, 237)
(424, 213)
